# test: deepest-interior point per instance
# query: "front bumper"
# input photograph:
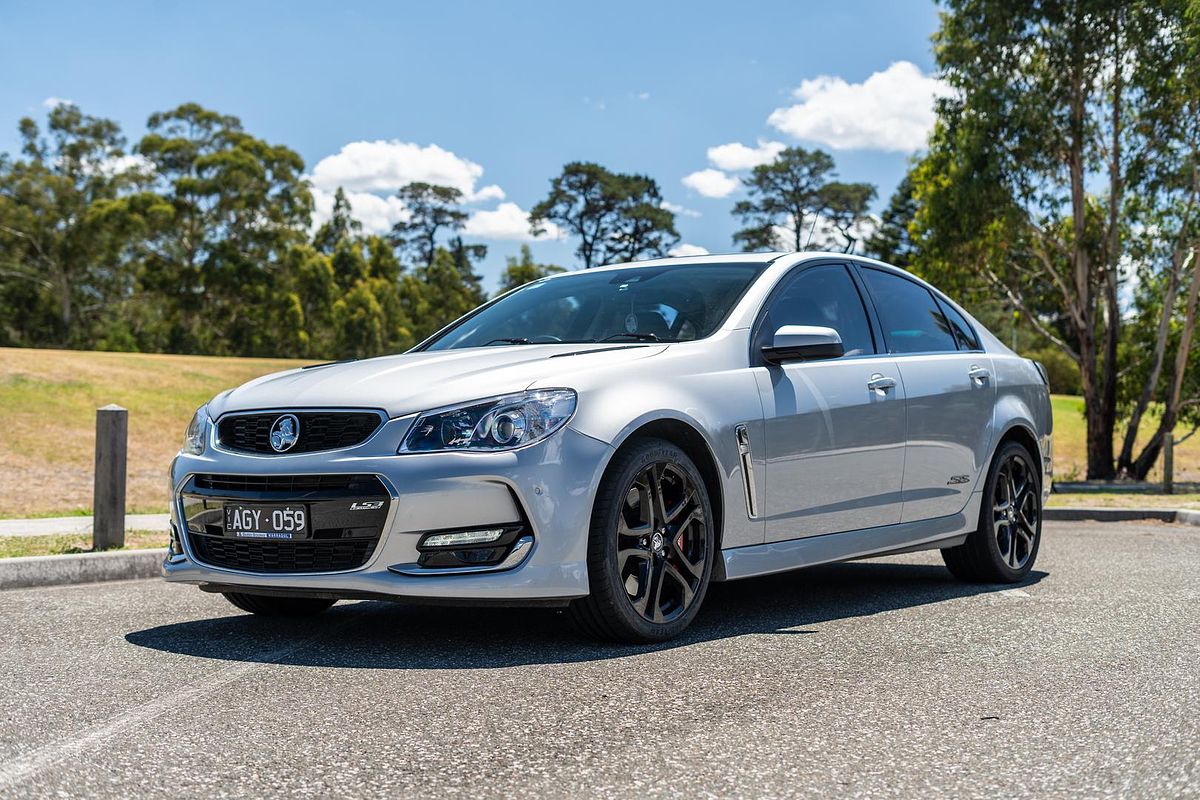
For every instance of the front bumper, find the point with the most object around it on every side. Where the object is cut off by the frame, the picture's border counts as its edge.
(549, 486)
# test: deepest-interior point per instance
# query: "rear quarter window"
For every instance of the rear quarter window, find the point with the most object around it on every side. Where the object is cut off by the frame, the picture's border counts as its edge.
(964, 334)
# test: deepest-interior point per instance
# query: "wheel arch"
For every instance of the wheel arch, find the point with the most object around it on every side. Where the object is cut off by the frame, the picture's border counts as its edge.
(1022, 433)
(686, 435)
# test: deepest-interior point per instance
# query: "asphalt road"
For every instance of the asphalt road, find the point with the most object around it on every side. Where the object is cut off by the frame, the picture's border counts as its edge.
(879, 679)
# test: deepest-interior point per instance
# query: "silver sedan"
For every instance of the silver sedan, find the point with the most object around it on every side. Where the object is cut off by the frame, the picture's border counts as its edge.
(616, 439)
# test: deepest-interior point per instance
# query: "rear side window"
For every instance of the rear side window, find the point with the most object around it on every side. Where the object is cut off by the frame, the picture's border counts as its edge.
(911, 319)
(964, 334)
(824, 296)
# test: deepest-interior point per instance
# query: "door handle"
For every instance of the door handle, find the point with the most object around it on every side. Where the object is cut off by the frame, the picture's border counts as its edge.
(979, 375)
(881, 383)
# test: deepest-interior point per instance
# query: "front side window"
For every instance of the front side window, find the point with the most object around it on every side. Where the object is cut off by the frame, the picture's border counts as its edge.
(911, 319)
(827, 297)
(649, 304)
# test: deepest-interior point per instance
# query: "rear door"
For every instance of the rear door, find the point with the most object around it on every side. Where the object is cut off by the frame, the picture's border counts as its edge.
(950, 393)
(834, 429)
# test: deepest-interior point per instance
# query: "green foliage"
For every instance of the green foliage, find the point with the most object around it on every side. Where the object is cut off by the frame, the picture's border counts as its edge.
(200, 245)
(616, 217)
(1062, 372)
(787, 199)
(239, 205)
(523, 269)
(1066, 123)
(890, 242)
(67, 210)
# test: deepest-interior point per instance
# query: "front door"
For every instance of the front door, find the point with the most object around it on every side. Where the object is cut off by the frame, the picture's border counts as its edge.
(834, 430)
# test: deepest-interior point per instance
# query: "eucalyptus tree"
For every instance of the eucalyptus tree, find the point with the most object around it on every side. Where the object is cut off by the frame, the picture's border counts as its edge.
(616, 217)
(64, 229)
(238, 204)
(790, 197)
(1034, 167)
(431, 209)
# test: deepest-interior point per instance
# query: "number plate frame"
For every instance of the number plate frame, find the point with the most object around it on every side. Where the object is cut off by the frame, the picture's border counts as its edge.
(267, 521)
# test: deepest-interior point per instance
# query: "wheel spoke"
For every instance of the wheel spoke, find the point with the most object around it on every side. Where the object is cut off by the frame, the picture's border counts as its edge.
(625, 554)
(685, 585)
(653, 609)
(659, 517)
(693, 569)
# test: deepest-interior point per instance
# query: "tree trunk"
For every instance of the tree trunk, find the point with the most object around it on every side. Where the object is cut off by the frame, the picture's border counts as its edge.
(1125, 462)
(1166, 427)
(1098, 388)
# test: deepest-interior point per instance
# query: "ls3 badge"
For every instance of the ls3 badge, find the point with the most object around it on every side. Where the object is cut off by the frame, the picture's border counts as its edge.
(955, 480)
(367, 505)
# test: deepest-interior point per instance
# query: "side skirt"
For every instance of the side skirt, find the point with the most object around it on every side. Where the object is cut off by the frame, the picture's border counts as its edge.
(927, 534)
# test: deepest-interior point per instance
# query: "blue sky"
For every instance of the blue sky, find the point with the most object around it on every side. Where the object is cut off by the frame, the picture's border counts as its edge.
(496, 97)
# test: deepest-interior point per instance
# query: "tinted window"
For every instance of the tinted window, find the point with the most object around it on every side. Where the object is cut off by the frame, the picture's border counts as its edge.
(912, 322)
(824, 296)
(665, 304)
(964, 334)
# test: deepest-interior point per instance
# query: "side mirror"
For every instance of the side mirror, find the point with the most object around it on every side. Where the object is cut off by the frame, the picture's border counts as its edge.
(803, 343)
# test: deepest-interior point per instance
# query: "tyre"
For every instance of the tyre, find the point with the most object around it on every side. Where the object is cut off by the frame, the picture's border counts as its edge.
(650, 548)
(278, 606)
(1005, 545)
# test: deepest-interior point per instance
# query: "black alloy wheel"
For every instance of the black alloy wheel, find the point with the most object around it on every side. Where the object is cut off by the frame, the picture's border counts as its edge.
(651, 546)
(662, 542)
(1005, 545)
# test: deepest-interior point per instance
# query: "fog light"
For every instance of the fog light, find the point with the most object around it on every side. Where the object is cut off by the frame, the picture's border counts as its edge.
(463, 538)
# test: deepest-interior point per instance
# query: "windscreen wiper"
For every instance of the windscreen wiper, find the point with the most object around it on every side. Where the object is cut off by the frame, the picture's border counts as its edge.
(641, 337)
(508, 341)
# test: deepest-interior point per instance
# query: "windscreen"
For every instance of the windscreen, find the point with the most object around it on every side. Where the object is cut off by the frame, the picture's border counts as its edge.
(650, 304)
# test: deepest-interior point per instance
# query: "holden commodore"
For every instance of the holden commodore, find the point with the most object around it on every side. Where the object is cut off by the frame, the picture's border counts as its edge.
(616, 439)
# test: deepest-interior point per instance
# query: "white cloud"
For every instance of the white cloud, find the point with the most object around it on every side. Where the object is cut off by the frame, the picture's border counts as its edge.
(127, 163)
(891, 110)
(675, 208)
(507, 222)
(711, 183)
(735, 155)
(643, 95)
(51, 102)
(385, 166)
(377, 214)
(685, 249)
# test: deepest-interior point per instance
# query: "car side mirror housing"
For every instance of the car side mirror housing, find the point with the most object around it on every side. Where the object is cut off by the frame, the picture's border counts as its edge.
(803, 343)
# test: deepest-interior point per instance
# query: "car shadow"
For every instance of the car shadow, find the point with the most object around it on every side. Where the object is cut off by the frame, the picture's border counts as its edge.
(385, 635)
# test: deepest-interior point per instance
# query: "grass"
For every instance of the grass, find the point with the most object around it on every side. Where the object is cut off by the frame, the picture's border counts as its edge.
(1123, 500)
(1070, 444)
(16, 546)
(48, 402)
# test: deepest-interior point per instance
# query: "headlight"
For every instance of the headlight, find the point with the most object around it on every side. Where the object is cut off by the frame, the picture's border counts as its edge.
(499, 423)
(197, 432)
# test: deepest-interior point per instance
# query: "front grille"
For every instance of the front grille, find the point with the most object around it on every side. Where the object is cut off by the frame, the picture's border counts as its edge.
(319, 430)
(356, 484)
(346, 517)
(268, 557)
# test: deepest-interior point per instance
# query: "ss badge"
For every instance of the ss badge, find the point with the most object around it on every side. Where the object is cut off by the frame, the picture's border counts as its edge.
(366, 505)
(957, 479)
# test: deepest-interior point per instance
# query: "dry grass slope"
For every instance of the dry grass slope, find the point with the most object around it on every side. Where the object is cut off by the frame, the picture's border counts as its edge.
(48, 400)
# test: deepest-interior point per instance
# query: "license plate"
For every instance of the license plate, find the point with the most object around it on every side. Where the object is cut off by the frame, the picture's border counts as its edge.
(266, 521)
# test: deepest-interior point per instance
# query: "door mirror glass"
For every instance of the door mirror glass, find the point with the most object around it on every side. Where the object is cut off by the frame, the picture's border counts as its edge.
(803, 343)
